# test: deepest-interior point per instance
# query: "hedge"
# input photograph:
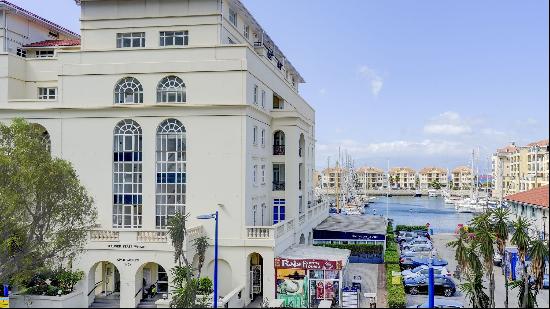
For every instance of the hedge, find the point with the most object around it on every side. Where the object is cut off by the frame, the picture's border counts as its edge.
(410, 228)
(396, 296)
(391, 257)
(390, 238)
(357, 249)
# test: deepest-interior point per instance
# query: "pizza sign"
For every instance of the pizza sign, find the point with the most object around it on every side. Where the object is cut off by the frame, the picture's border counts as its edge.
(308, 264)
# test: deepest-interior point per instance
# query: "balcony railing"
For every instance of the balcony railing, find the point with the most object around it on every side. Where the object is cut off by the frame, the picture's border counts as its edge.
(278, 150)
(300, 152)
(299, 185)
(141, 236)
(278, 186)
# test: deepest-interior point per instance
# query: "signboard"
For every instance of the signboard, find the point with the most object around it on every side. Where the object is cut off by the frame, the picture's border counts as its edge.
(291, 287)
(308, 264)
(4, 302)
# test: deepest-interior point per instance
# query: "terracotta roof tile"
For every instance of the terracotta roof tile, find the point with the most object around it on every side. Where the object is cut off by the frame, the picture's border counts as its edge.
(538, 197)
(542, 143)
(53, 43)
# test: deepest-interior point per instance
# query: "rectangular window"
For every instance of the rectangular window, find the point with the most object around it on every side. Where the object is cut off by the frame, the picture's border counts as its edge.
(263, 137)
(44, 54)
(255, 175)
(45, 93)
(263, 174)
(255, 135)
(246, 31)
(21, 53)
(233, 17)
(174, 38)
(255, 95)
(133, 39)
(279, 210)
(263, 98)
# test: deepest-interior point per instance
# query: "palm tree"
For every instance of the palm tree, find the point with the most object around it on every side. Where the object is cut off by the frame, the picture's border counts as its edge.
(501, 229)
(521, 240)
(539, 254)
(485, 238)
(473, 288)
(460, 246)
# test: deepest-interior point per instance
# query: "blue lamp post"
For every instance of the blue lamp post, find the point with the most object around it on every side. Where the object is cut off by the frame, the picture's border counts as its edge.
(215, 217)
(431, 290)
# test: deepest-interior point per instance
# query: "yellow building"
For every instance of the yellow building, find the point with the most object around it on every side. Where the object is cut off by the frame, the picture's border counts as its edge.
(403, 178)
(520, 168)
(462, 178)
(332, 177)
(370, 178)
(430, 175)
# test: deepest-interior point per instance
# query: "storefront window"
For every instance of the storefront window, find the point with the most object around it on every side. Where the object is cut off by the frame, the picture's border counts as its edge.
(324, 285)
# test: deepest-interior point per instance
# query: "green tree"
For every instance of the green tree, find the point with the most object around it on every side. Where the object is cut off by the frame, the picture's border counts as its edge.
(501, 225)
(539, 254)
(186, 284)
(521, 240)
(46, 212)
(485, 239)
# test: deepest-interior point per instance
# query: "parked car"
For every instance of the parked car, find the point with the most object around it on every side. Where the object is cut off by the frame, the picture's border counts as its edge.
(423, 270)
(421, 241)
(413, 262)
(443, 286)
(441, 303)
(497, 259)
(416, 241)
(420, 250)
(545, 282)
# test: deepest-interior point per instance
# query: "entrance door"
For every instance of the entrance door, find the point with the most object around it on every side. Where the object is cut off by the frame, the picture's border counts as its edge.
(256, 280)
(147, 277)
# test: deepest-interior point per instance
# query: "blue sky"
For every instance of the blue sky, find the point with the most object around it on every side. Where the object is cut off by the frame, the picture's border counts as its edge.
(414, 82)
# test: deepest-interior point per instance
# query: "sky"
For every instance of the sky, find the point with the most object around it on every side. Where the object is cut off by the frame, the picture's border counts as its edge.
(418, 83)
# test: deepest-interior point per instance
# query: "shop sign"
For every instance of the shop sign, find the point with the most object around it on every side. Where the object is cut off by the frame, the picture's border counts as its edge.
(307, 264)
(4, 302)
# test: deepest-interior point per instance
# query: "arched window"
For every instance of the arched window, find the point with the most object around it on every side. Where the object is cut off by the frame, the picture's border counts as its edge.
(127, 175)
(171, 89)
(128, 90)
(44, 135)
(171, 171)
(279, 143)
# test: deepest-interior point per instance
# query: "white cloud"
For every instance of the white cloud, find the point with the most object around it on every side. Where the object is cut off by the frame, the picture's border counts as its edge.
(448, 123)
(376, 81)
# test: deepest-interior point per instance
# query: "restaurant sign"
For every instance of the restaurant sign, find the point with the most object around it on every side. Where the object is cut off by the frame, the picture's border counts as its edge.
(308, 264)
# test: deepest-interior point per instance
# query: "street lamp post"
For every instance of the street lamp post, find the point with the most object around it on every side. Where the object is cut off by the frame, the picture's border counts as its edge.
(544, 225)
(431, 290)
(215, 217)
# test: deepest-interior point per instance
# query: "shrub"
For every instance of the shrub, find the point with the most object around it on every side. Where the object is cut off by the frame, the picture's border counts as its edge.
(396, 292)
(391, 257)
(49, 282)
(357, 249)
(205, 286)
(410, 228)
(390, 238)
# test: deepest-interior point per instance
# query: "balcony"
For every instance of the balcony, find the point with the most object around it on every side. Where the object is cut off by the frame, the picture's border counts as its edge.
(284, 231)
(278, 150)
(136, 239)
(278, 186)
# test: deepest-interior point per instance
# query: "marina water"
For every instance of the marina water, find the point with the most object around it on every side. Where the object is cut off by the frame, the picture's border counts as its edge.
(410, 210)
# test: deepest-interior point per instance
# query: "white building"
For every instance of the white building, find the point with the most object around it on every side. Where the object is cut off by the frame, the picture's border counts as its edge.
(431, 175)
(533, 206)
(370, 178)
(165, 106)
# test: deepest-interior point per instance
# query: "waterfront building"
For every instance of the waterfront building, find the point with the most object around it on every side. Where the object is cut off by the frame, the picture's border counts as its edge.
(502, 171)
(332, 178)
(430, 175)
(462, 178)
(520, 168)
(167, 106)
(370, 178)
(403, 178)
(533, 206)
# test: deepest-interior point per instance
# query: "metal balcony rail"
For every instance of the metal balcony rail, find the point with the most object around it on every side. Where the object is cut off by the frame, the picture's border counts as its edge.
(278, 186)
(278, 150)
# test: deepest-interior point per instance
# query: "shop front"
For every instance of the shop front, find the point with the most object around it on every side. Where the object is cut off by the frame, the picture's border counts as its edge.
(309, 275)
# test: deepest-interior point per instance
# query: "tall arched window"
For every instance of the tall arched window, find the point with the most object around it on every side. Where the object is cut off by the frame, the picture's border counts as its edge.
(128, 90)
(127, 175)
(171, 89)
(44, 135)
(171, 171)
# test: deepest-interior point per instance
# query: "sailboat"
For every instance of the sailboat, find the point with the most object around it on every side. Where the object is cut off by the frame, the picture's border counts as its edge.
(470, 204)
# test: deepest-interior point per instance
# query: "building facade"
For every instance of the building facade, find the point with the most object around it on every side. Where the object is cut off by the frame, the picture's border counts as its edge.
(430, 176)
(520, 168)
(370, 178)
(533, 206)
(462, 178)
(332, 178)
(403, 178)
(167, 106)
